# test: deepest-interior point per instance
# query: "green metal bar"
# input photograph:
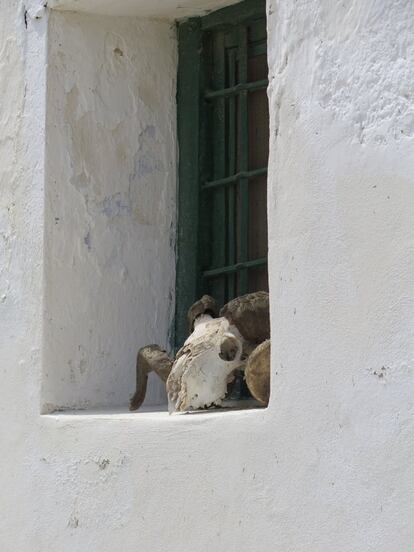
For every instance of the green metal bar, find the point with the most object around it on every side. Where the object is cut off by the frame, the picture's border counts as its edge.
(206, 155)
(232, 168)
(243, 164)
(234, 178)
(188, 93)
(257, 30)
(237, 89)
(214, 272)
(218, 228)
(257, 49)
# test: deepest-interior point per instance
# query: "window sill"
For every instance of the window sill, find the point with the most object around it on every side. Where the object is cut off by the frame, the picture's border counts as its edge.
(157, 414)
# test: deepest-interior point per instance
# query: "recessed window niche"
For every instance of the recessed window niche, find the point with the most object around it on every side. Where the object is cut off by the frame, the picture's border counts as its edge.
(111, 196)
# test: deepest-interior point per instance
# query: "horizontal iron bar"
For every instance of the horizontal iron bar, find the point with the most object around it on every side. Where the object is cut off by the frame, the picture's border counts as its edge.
(234, 178)
(234, 268)
(257, 49)
(233, 90)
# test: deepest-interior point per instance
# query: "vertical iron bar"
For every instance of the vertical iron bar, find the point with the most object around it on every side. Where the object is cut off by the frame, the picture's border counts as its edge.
(243, 162)
(232, 169)
(219, 199)
(206, 152)
(188, 94)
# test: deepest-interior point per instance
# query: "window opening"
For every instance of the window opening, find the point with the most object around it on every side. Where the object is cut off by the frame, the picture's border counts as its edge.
(223, 128)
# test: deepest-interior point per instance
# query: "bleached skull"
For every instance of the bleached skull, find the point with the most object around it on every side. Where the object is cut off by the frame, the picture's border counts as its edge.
(204, 365)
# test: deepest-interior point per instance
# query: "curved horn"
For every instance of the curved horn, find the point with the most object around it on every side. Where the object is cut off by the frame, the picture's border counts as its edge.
(257, 372)
(150, 359)
(205, 305)
(250, 314)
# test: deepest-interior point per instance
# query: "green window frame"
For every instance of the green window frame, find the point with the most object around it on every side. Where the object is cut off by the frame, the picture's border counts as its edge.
(215, 84)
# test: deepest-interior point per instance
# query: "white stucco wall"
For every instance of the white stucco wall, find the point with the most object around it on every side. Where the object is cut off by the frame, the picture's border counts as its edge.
(328, 466)
(22, 133)
(342, 262)
(110, 205)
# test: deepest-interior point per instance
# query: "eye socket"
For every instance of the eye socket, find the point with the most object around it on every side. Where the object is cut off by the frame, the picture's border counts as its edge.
(229, 348)
(229, 355)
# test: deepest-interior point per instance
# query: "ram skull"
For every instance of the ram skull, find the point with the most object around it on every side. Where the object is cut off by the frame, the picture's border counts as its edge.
(220, 343)
(204, 365)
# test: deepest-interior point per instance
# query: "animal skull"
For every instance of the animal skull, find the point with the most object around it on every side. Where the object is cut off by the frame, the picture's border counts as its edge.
(216, 348)
(205, 364)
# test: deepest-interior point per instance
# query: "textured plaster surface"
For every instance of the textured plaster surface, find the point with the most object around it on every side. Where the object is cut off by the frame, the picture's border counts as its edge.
(328, 466)
(110, 205)
(22, 85)
(341, 204)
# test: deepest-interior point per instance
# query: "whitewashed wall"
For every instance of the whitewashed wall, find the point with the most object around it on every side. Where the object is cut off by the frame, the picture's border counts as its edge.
(342, 264)
(22, 138)
(328, 466)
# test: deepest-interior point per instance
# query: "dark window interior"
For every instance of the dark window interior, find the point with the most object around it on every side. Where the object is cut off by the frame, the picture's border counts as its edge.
(223, 126)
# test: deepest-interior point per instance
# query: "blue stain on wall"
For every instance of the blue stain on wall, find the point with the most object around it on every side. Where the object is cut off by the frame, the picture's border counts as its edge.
(115, 206)
(87, 240)
(145, 165)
